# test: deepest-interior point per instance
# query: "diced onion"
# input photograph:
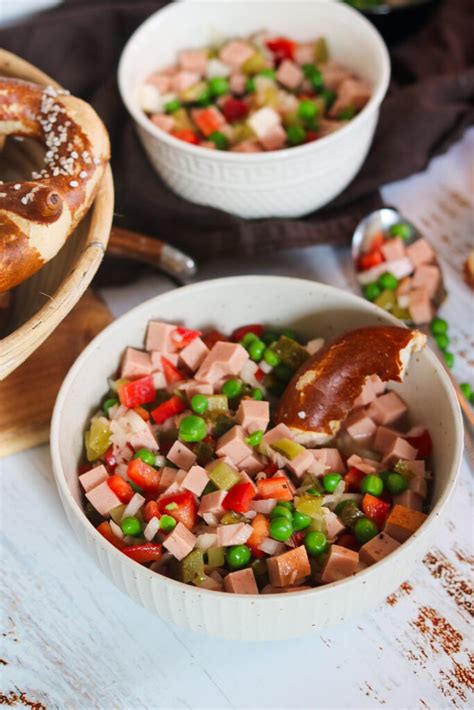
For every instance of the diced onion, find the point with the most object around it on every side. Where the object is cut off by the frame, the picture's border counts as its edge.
(133, 506)
(271, 547)
(206, 540)
(151, 529)
(116, 529)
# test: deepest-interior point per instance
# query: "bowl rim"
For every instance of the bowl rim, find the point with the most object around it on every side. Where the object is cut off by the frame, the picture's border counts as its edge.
(138, 115)
(135, 569)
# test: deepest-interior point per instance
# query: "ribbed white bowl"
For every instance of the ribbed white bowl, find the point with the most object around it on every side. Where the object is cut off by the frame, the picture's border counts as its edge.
(284, 183)
(314, 310)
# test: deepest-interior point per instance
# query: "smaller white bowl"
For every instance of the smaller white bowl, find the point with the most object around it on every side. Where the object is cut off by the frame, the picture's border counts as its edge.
(284, 183)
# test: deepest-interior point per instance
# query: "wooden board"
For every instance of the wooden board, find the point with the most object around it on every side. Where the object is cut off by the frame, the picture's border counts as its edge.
(27, 395)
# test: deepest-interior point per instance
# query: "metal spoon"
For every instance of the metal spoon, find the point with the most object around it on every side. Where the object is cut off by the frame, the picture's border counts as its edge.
(381, 221)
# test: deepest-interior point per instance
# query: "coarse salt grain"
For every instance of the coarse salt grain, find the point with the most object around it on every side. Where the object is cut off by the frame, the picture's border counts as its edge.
(302, 415)
(74, 183)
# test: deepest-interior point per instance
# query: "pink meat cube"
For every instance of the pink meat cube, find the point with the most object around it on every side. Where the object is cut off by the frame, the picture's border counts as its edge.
(235, 53)
(192, 387)
(420, 306)
(351, 93)
(157, 359)
(241, 582)
(245, 478)
(93, 478)
(159, 380)
(333, 525)
(427, 276)
(384, 438)
(180, 455)
(168, 477)
(251, 464)
(253, 415)
(281, 431)
(393, 249)
(334, 75)
(289, 74)
(271, 547)
(225, 359)
(166, 123)
(184, 80)
(194, 353)
(377, 548)
(232, 444)
(418, 486)
(404, 287)
(236, 534)
(367, 466)
(417, 467)
(331, 458)
(387, 408)
(212, 503)
(304, 53)
(289, 568)
(193, 60)
(180, 542)
(372, 387)
(248, 146)
(340, 564)
(317, 468)
(158, 336)
(420, 252)
(224, 459)
(263, 506)
(143, 439)
(359, 426)
(263, 121)
(237, 83)
(160, 81)
(196, 480)
(274, 139)
(301, 463)
(103, 498)
(400, 449)
(135, 363)
(409, 499)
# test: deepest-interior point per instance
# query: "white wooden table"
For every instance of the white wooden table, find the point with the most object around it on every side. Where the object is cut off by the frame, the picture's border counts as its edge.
(72, 640)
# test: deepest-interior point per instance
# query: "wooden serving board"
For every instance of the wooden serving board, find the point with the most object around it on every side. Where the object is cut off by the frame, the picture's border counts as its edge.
(27, 396)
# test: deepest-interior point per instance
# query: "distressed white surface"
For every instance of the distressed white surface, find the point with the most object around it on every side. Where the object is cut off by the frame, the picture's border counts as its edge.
(72, 640)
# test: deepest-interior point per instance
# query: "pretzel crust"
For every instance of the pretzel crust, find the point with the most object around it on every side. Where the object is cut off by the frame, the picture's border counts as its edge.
(37, 216)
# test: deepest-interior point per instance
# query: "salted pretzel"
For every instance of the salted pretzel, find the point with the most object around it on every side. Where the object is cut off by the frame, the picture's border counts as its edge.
(38, 215)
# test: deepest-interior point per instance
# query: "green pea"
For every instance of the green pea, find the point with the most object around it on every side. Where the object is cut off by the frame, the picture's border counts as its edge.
(232, 388)
(192, 428)
(401, 229)
(199, 404)
(248, 339)
(315, 542)
(300, 521)
(443, 341)
(238, 556)
(439, 326)
(286, 504)
(167, 523)
(309, 70)
(281, 528)
(250, 85)
(396, 483)
(220, 140)
(172, 106)
(218, 86)
(307, 110)
(371, 291)
(131, 526)
(448, 358)
(346, 114)
(257, 394)
(204, 98)
(269, 337)
(313, 491)
(269, 73)
(108, 404)
(296, 135)
(271, 358)
(466, 389)
(388, 280)
(331, 480)
(384, 476)
(145, 455)
(279, 511)
(256, 350)
(365, 530)
(255, 438)
(372, 484)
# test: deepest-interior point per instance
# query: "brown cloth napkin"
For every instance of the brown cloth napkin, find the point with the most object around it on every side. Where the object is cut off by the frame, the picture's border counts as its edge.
(429, 104)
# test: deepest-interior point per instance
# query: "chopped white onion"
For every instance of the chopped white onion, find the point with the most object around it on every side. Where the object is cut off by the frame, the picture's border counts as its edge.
(331, 501)
(271, 547)
(211, 518)
(151, 529)
(133, 506)
(206, 540)
(121, 470)
(116, 529)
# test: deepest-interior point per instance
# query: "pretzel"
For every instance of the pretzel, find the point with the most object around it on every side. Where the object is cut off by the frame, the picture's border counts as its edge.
(37, 216)
(323, 391)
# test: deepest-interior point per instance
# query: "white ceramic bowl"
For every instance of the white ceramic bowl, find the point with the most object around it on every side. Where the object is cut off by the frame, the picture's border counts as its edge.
(313, 309)
(284, 183)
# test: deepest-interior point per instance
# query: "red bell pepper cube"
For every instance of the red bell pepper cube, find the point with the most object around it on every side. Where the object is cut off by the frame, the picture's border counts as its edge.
(254, 328)
(274, 488)
(180, 337)
(106, 531)
(372, 258)
(353, 479)
(147, 552)
(141, 391)
(213, 337)
(165, 410)
(181, 506)
(234, 109)
(311, 136)
(259, 375)
(375, 509)
(422, 443)
(171, 372)
(208, 120)
(120, 487)
(270, 468)
(186, 135)
(143, 413)
(151, 510)
(282, 47)
(261, 527)
(239, 497)
(145, 476)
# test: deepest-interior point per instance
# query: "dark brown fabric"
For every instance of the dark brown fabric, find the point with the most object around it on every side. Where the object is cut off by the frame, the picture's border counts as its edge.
(429, 104)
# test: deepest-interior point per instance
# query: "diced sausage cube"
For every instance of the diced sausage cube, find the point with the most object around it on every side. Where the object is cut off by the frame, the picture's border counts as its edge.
(217, 68)
(251, 464)
(372, 387)
(301, 463)
(387, 408)
(232, 444)
(235, 53)
(280, 431)
(367, 466)
(418, 485)
(236, 534)
(212, 503)
(263, 121)
(237, 83)
(420, 306)
(143, 439)
(409, 499)
(160, 81)
(289, 568)
(158, 336)
(263, 506)
(135, 363)
(400, 449)
(253, 415)
(193, 354)
(393, 249)
(334, 75)
(427, 276)
(225, 359)
(103, 498)
(168, 477)
(304, 53)
(166, 123)
(184, 80)
(377, 548)
(341, 563)
(403, 522)
(274, 139)
(180, 455)
(289, 74)
(351, 93)
(193, 60)
(331, 458)
(420, 252)
(333, 524)
(384, 438)
(241, 582)
(93, 478)
(248, 146)
(192, 387)
(195, 480)
(359, 426)
(180, 542)
(416, 467)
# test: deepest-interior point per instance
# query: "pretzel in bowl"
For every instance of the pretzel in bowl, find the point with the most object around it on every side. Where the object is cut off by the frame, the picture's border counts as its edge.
(37, 216)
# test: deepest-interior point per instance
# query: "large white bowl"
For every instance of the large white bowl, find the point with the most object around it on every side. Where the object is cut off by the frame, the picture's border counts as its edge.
(313, 309)
(284, 183)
